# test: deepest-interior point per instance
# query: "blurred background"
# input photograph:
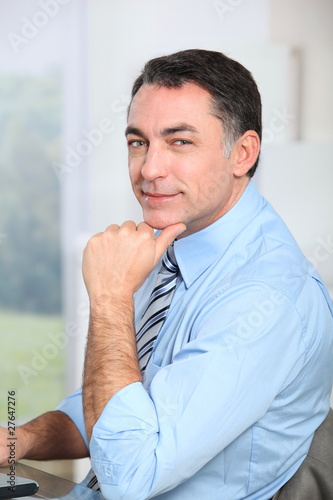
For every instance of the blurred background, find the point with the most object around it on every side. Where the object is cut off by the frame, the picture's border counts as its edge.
(66, 69)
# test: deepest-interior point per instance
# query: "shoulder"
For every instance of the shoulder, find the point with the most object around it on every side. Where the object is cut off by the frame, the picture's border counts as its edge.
(263, 279)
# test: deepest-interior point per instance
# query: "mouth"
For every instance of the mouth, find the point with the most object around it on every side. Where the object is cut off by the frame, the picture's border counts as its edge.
(155, 198)
(159, 195)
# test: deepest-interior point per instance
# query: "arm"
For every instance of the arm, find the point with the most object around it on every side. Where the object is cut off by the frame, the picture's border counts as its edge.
(111, 360)
(115, 264)
(50, 436)
(215, 388)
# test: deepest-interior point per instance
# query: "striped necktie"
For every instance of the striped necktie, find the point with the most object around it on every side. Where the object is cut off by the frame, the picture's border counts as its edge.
(153, 318)
(92, 481)
(157, 309)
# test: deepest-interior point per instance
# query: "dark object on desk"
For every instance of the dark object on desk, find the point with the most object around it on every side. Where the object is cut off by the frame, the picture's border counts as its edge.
(314, 478)
(52, 487)
(16, 488)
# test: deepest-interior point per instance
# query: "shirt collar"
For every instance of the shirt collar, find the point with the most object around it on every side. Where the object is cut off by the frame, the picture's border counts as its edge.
(196, 252)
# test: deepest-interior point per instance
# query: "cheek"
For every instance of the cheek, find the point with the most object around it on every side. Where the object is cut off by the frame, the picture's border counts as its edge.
(212, 187)
(134, 172)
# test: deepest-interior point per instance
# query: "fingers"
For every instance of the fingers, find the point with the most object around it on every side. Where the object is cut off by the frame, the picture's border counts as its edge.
(127, 231)
(165, 238)
(144, 228)
(128, 225)
(112, 227)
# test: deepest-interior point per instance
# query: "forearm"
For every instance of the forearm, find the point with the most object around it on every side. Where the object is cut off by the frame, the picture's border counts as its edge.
(50, 436)
(115, 264)
(111, 358)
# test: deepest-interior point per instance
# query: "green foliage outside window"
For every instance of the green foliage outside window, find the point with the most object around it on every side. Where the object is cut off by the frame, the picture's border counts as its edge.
(30, 260)
(30, 125)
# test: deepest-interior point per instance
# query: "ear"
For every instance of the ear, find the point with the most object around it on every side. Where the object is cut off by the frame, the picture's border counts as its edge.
(245, 152)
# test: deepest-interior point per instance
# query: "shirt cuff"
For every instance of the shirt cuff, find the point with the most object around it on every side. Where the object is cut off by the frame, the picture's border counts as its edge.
(72, 406)
(122, 442)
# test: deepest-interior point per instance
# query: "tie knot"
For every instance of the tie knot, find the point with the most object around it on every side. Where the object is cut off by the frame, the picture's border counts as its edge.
(169, 260)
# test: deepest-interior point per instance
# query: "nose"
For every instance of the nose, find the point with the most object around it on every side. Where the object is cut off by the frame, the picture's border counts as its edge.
(155, 164)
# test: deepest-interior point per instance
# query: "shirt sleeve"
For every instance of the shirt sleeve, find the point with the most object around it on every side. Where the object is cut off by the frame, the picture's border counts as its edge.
(72, 406)
(151, 441)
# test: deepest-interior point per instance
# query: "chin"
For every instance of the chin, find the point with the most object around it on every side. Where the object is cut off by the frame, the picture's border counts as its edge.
(158, 227)
(158, 223)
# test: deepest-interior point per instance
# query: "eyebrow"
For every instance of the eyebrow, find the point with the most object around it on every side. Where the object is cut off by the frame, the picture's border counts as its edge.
(133, 130)
(182, 127)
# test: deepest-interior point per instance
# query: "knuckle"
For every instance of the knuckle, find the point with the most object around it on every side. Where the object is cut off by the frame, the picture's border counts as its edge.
(111, 228)
(93, 239)
(145, 236)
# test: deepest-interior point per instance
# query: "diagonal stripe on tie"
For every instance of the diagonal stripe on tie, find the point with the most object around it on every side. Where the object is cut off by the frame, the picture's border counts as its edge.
(93, 484)
(151, 321)
(162, 290)
(169, 266)
(158, 306)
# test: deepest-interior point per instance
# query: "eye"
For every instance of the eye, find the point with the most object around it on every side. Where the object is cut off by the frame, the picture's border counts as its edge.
(181, 142)
(136, 143)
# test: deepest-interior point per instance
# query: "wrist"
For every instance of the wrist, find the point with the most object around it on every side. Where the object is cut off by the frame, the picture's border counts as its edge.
(109, 307)
(24, 440)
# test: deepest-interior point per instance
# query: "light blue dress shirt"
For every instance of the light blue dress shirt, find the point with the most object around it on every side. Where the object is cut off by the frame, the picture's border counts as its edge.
(240, 375)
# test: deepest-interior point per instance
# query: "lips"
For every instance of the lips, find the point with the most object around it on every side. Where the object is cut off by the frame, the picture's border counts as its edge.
(158, 200)
(159, 195)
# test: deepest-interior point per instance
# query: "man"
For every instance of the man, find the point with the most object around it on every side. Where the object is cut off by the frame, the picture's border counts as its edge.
(221, 395)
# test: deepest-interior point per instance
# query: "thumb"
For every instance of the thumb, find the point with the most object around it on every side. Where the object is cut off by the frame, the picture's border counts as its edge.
(166, 237)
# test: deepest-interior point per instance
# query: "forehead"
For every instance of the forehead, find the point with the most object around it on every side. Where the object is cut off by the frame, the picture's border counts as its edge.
(162, 105)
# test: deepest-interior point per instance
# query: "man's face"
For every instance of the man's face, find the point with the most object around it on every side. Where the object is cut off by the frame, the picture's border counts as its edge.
(176, 163)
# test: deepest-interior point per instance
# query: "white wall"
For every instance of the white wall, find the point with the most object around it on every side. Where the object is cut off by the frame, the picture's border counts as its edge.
(296, 177)
(307, 25)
